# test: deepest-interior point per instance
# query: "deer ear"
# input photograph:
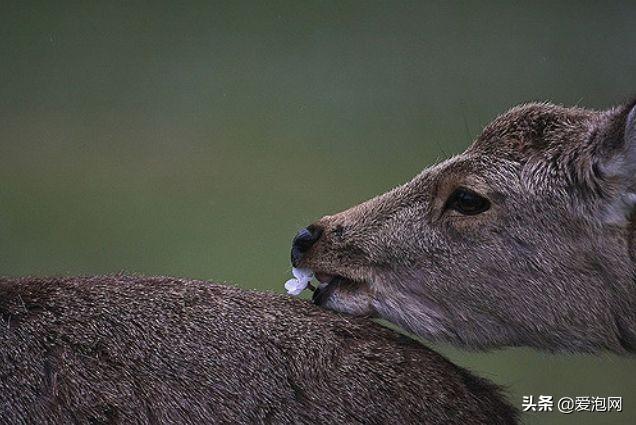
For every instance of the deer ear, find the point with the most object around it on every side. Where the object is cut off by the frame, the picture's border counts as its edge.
(616, 157)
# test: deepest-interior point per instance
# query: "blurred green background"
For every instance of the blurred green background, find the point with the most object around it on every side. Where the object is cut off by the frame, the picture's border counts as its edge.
(194, 139)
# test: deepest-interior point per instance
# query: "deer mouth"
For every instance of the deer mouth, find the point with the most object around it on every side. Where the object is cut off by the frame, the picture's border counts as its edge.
(325, 279)
(327, 284)
(350, 293)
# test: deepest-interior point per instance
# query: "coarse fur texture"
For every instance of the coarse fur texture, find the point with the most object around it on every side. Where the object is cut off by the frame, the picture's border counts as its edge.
(151, 350)
(551, 263)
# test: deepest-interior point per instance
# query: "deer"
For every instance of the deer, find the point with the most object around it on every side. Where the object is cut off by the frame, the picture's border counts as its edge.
(527, 238)
(129, 349)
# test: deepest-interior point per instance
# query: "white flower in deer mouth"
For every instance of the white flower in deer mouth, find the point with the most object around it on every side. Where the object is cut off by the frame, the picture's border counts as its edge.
(301, 280)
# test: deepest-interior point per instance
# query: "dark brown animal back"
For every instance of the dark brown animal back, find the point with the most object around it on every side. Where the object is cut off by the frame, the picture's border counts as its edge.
(122, 349)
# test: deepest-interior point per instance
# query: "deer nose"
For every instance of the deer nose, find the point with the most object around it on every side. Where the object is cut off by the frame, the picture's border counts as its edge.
(303, 241)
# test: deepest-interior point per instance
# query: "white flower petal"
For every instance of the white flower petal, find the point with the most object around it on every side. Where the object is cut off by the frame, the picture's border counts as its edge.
(292, 284)
(295, 287)
(301, 281)
(296, 292)
(302, 274)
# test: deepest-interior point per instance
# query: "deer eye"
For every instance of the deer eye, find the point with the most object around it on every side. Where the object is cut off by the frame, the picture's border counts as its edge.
(467, 202)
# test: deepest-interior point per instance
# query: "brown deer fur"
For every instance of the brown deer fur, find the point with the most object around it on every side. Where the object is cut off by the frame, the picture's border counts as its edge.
(122, 349)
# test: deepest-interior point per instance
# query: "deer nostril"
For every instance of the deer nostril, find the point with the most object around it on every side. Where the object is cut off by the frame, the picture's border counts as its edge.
(303, 241)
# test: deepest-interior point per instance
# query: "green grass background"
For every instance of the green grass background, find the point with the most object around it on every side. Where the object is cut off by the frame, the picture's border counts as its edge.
(193, 139)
